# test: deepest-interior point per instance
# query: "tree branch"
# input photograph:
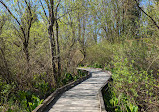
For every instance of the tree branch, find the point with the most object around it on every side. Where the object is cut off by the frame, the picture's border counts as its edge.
(57, 6)
(30, 19)
(52, 19)
(9, 11)
(13, 16)
(154, 22)
(44, 10)
(63, 15)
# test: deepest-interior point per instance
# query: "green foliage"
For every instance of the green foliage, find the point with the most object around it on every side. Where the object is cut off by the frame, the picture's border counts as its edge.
(68, 77)
(40, 84)
(96, 65)
(81, 65)
(132, 108)
(81, 73)
(35, 102)
(27, 100)
(10, 110)
(76, 77)
(131, 84)
(5, 90)
(23, 97)
(118, 103)
(105, 34)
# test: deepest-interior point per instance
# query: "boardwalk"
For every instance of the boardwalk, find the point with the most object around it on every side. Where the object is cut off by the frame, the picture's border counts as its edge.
(83, 97)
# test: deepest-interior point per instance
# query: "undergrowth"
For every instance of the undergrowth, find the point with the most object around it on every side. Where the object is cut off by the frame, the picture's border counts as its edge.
(133, 88)
(14, 100)
(135, 73)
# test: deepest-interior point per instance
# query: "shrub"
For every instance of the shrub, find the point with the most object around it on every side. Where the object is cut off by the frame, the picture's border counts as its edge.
(133, 88)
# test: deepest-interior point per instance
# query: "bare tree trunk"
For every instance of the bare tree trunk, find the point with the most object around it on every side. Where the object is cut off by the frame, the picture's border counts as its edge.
(123, 21)
(69, 57)
(51, 20)
(58, 51)
(82, 41)
(53, 53)
(79, 27)
(27, 57)
(118, 22)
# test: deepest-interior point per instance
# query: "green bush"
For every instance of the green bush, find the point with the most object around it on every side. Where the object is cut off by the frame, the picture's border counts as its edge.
(81, 73)
(35, 102)
(68, 77)
(133, 89)
(41, 85)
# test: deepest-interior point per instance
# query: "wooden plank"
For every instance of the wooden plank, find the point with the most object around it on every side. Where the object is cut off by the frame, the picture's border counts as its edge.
(58, 92)
(85, 97)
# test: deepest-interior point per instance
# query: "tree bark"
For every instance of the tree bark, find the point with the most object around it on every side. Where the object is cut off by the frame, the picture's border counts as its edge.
(52, 45)
(27, 56)
(58, 50)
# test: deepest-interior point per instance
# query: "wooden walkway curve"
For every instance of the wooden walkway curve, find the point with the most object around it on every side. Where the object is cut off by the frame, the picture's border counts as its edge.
(84, 96)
